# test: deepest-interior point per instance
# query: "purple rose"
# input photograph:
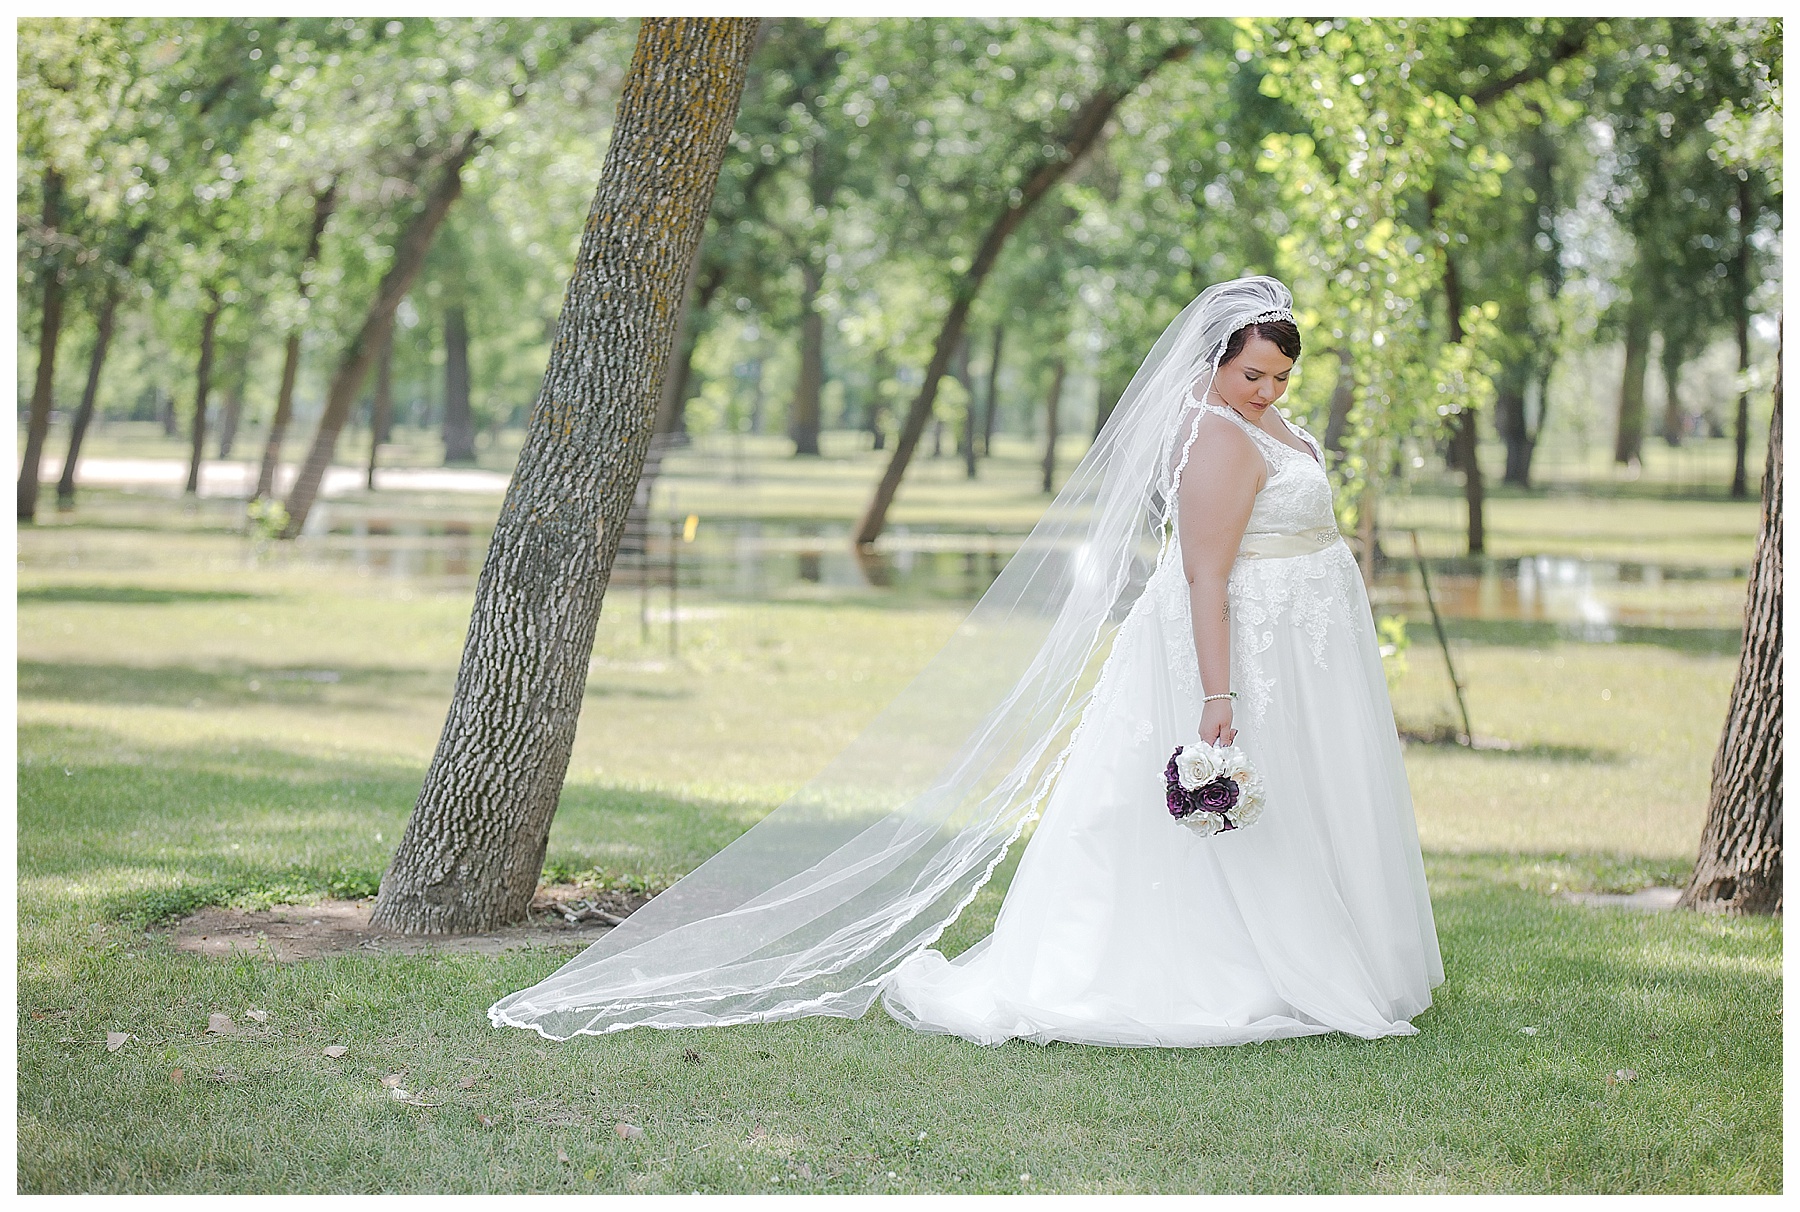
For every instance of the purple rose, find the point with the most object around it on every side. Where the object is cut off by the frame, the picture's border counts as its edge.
(1220, 795)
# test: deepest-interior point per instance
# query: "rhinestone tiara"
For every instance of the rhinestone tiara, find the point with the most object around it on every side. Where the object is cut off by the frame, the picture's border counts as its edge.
(1280, 313)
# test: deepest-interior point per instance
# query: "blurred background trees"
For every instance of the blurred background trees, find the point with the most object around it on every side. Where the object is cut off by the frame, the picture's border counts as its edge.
(1500, 232)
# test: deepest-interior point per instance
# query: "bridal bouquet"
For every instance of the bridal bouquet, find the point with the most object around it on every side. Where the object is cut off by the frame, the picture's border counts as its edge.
(1212, 788)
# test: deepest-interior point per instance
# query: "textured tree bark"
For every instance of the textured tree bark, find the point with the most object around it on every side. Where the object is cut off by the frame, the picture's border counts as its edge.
(473, 849)
(324, 202)
(1739, 866)
(37, 425)
(1083, 130)
(381, 409)
(377, 326)
(209, 327)
(1628, 446)
(1052, 413)
(84, 415)
(803, 419)
(459, 417)
(671, 412)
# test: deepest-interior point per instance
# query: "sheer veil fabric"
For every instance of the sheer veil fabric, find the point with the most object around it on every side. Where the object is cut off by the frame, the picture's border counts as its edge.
(815, 908)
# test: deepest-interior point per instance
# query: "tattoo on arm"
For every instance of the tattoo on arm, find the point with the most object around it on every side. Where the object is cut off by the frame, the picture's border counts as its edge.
(1225, 613)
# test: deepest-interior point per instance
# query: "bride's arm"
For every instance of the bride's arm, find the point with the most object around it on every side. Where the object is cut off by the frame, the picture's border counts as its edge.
(1217, 490)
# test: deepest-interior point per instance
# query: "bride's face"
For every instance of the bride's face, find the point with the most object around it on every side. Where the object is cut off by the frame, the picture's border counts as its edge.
(1256, 378)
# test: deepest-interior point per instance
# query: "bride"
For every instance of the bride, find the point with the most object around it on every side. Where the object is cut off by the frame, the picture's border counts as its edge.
(1187, 586)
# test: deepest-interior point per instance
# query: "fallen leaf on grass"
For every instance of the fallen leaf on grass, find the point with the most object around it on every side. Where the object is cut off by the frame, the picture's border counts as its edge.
(393, 1079)
(803, 1170)
(116, 1040)
(225, 1076)
(175, 1075)
(220, 1024)
(399, 1095)
(260, 1016)
(1527, 1030)
(562, 1157)
(335, 1051)
(627, 1131)
(39, 1014)
(467, 1083)
(1621, 1075)
(484, 1121)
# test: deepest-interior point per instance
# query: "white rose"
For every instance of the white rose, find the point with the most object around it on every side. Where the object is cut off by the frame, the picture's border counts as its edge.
(1203, 823)
(1250, 803)
(1232, 762)
(1196, 766)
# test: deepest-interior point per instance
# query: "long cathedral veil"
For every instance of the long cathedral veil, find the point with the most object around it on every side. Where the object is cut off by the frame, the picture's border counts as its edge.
(810, 909)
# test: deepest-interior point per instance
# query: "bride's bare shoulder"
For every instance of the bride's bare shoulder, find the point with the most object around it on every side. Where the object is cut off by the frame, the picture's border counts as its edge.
(1218, 439)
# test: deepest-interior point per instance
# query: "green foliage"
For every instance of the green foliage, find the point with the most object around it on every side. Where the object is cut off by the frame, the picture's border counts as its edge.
(1390, 631)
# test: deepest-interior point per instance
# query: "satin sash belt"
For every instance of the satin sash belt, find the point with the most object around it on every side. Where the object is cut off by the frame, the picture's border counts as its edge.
(1271, 546)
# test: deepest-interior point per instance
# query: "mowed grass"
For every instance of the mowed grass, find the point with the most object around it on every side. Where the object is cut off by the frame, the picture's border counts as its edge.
(196, 726)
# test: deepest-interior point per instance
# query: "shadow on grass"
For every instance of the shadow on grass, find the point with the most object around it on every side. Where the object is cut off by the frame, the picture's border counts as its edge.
(1526, 633)
(132, 595)
(1447, 737)
(148, 833)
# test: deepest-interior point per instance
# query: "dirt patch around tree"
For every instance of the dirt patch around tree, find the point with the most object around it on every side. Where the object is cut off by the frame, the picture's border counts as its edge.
(290, 933)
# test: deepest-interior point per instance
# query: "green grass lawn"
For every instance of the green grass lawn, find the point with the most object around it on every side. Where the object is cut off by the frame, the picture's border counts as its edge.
(197, 725)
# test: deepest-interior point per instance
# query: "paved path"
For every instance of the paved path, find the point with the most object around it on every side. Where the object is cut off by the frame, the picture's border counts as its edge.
(231, 478)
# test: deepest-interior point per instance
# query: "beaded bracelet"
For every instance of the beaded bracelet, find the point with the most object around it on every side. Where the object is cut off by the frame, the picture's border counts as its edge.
(1229, 694)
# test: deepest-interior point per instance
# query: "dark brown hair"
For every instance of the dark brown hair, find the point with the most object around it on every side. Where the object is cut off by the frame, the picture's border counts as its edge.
(1285, 335)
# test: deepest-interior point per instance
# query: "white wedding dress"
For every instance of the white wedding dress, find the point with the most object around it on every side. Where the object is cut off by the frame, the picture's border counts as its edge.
(1121, 927)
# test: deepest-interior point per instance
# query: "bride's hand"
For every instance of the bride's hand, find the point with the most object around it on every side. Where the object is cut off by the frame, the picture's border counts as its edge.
(1215, 723)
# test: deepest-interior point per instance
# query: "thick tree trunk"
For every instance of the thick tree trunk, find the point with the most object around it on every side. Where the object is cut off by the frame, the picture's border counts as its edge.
(993, 392)
(323, 203)
(1085, 127)
(803, 418)
(474, 847)
(381, 409)
(1672, 422)
(1629, 444)
(1739, 866)
(209, 327)
(37, 426)
(377, 327)
(233, 410)
(90, 393)
(459, 417)
(1052, 413)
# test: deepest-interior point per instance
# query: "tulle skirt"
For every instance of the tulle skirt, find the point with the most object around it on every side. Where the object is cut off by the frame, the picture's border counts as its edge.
(1123, 928)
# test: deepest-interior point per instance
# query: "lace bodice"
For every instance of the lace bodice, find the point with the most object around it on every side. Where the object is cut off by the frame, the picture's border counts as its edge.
(1292, 570)
(1297, 496)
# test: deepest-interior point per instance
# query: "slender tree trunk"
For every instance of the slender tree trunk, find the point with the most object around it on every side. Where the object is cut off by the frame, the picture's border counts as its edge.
(459, 417)
(377, 326)
(323, 203)
(233, 411)
(165, 412)
(37, 426)
(1672, 418)
(1464, 434)
(1052, 412)
(993, 393)
(1740, 275)
(1739, 866)
(1510, 419)
(883, 369)
(1343, 397)
(473, 849)
(1629, 444)
(209, 326)
(1085, 127)
(381, 410)
(966, 440)
(90, 393)
(803, 418)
